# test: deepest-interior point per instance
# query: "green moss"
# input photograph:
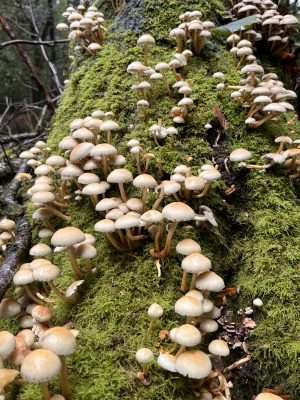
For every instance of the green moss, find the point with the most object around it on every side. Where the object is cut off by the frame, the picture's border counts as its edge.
(262, 257)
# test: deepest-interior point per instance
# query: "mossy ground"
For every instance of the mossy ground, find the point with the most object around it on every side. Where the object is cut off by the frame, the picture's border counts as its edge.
(261, 257)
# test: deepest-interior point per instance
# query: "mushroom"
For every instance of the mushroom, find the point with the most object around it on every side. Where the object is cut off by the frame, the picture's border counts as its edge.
(155, 311)
(195, 264)
(193, 364)
(7, 376)
(144, 182)
(109, 126)
(68, 237)
(144, 357)
(40, 366)
(120, 176)
(107, 227)
(175, 213)
(7, 344)
(146, 41)
(62, 342)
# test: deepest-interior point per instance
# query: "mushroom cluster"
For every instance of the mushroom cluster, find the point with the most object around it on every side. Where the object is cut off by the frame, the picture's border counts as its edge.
(262, 94)
(270, 26)
(196, 306)
(7, 235)
(85, 28)
(38, 355)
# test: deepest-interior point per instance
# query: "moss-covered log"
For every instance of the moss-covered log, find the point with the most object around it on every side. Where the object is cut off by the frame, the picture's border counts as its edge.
(255, 247)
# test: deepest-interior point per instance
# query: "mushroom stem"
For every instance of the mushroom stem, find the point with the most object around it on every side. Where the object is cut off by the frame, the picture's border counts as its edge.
(94, 199)
(65, 386)
(122, 192)
(205, 191)
(109, 137)
(105, 166)
(45, 391)
(133, 237)
(60, 294)
(114, 242)
(74, 263)
(193, 281)
(31, 295)
(157, 238)
(262, 121)
(181, 350)
(57, 213)
(166, 250)
(146, 51)
(158, 200)
(144, 196)
(138, 163)
(281, 147)
(151, 327)
(184, 283)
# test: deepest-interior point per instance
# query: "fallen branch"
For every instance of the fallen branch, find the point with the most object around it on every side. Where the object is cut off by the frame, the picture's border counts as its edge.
(49, 43)
(17, 251)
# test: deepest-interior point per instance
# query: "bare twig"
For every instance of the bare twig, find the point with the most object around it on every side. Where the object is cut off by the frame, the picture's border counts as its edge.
(49, 43)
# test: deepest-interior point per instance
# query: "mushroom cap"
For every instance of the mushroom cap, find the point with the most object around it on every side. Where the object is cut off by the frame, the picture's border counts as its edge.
(170, 187)
(114, 214)
(283, 139)
(239, 155)
(23, 277)
(210, 281)
(194, 183)
(67, 237)
(146, 40)
(81, 151)
(70, 171)
(274, 108)
(9, 308)
(187, 335)
(7, 376)
(193, 364)
(46, 273)
(55, 161)
(105, 226)
(41, 313)
(87, 178)
(40, 366)
(267, 396)
(7, 224)
(60, 340)
(252, 68)
(187, 247)
(120, 175)
(210, 174)
(109, 125)
(95, 188)
(73, 288)
(144, 356)
(196, 263)
(135, 204)
(144, 181)
(67, 143)
(42, 197)
(188, 306)
(7, 344)
(83, 134)
(152, 217)
(155, 311)
(40, 250)
(108, 203)
(127, 221)
(209, 325)
(167, 362)
(85, 251)
(178, 212)
(219, 347)
(262, 100)
(103, 149)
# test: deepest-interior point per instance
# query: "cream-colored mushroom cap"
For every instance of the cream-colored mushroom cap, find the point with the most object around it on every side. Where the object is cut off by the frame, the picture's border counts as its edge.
(120, 175)
(155, 311)
(38, 262)
(76, 124)
(67, 237)
(46, 273)
(109, 125)
(40, 250)
(95, 188)
(7, 344)
(81, 151)
(114, 214)
(108, 203)
(283, 139)
(170, 187)
(239, 155)
(67, 143)
(23, 277)
(105, 226)
(103, 149)
(144, 181)
(196, 263)
(274, 108)
(187, 335)
(98, 114)
(7, 224)
(127, 221)
(28, 336)
(7, 376)
(177, 212)
(40, 366)
(146, 40)
(70, 171)
(55, 161)
(210, 174)
(194, 183)
(152, 217)
(167, 362)
(83, 134)
(193, 364)
(60, 340)
(188, 306)
(144, 356)
(268, 396)
(209, 326)
(187, 247)
(57, 397)
(135, 204)
(41, 313)
(219, 347)
(210, 281)
(9, 308)
(42, 197)
(85, 251)
(87, 178)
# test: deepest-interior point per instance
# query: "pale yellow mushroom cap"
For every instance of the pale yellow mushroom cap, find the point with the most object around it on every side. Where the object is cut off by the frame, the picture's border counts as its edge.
(193, 364)
(40, 366)
(60, 340)
(67, 237)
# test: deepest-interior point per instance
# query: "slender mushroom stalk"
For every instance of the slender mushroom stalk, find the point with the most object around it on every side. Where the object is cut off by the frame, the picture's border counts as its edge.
(166, 250)
(65, 384)
(74, 262)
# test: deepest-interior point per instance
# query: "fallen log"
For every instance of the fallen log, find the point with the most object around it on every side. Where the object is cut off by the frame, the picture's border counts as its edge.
(17, 251)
